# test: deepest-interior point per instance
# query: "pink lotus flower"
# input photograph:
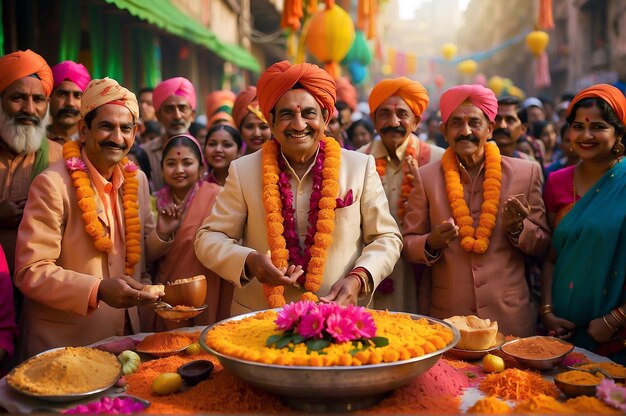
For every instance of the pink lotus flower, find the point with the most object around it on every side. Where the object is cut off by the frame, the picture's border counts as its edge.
(312, 324)
(342, 330)
(130, 166)
(363, 322)
(612, 394)
(290, 315)
(75, 164)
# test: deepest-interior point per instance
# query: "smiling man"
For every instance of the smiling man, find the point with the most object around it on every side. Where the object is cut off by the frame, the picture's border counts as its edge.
(86, 232)
(301, 204)
(472, 216)
(396, 107)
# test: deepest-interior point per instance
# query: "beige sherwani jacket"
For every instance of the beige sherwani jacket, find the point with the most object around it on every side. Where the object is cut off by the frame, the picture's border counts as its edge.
(490, 285)
(404, 295)
(58, 266)
(365, 235)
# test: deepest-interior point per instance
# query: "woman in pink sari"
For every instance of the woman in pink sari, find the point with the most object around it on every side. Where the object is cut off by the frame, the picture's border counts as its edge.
(185, 195)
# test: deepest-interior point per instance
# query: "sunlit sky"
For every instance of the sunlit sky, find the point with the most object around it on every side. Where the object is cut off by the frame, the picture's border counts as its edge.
(408, 7)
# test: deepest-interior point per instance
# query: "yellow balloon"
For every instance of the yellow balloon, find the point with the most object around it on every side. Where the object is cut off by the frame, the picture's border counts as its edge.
(467, 67)
(507, 83)
(517, 92)
(449, 50)
(385, 69)
(330, 34)
(496, 84)
(537, 41)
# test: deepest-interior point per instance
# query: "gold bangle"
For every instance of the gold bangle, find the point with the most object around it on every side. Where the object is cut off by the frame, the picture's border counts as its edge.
(546, 309)
(618, 318)
(611, 327)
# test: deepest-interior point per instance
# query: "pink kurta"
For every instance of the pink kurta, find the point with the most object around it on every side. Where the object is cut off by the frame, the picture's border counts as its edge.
(490, 285)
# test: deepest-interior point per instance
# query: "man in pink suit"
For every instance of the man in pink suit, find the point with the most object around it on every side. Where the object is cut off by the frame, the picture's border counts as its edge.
(86, 232)
(473, 216)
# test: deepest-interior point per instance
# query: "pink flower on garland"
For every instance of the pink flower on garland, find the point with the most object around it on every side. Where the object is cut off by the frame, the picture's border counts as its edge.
(289, 316)
(312, 324)
(130, 166)
(75, 164)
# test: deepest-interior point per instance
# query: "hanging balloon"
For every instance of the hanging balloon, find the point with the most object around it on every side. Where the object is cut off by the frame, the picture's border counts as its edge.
(359, 51)
(480, 79)
(449, 50)
(467, 67)
(439, 81)
(386, 69)
(357, 71)
(330, 35)
(496, 84)
(507, 83)
(537, 41)
(517, 92)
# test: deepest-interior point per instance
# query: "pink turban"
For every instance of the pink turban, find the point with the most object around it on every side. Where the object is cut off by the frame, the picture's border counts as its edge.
(412, 92)
(282, 76)
(174, 86)
(245, 103)
(481, 97)
(614, 97)
(71, 71)
(21, 64)
(104, 91)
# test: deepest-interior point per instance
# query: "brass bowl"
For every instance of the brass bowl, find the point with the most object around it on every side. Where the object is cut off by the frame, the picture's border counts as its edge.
(190, 293)
(574, 390)
(538, 364)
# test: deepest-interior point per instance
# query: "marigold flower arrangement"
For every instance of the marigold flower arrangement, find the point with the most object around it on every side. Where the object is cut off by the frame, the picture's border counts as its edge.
(86, 201)
(474, 239)
(305, 334)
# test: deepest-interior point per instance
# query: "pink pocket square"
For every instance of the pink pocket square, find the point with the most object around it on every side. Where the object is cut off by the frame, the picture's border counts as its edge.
(346, 201)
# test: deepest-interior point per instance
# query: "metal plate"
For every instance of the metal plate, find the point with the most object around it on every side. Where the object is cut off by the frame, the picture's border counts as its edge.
(473, 355)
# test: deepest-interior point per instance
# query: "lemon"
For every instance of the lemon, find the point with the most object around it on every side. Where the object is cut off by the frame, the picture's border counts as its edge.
(167, 383)
(194, 349)
(493, 363)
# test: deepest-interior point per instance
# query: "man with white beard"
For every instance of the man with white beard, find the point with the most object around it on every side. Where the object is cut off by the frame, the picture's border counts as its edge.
(25, 86)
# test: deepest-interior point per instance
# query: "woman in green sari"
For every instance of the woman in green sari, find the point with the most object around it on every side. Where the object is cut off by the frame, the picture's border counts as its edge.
(583, 289)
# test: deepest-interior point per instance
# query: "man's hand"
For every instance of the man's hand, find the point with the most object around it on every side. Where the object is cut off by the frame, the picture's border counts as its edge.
(344, 292)
(513, 214)
(261, 267)
(11, 213)
(442, 235)
(168, 220)
(124, 292)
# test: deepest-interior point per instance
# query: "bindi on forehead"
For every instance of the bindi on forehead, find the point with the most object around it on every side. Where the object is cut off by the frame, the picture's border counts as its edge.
(587, 119)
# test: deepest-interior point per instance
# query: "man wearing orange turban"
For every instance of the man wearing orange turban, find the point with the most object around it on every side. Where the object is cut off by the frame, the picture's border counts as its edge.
(472, 217)
(300, 188)
(250, 121)
(219, 108)
(86, 231)
(25, 85)
(396, 107)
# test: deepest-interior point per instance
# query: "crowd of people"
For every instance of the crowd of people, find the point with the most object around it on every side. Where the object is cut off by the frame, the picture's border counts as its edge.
(507, 209)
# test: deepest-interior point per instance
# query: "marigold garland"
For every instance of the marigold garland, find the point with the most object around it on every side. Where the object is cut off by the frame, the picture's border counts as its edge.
(87, 204)
(407, 178)
(474, 239)
(275, 221)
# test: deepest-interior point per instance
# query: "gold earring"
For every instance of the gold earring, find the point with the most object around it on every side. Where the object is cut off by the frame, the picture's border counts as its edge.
(618, 148)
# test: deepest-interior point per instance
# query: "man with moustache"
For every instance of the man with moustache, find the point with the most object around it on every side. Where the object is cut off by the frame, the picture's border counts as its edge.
(175, 103)
(396, 107)
(472, 217)
(25, 85)
(86, 232)
(70, 80)
(509, 129)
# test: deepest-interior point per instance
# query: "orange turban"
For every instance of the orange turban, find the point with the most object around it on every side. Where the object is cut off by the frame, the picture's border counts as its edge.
(245, 103)
(412, 92)
(104, 91)
(614, 97)
(347, 93)
(21, 64)
(282, 76)
(476, 94)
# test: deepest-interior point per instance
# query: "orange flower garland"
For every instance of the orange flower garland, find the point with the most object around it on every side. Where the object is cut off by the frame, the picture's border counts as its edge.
(476, 240)
(275, 221)
(407, 178)
(87, 204)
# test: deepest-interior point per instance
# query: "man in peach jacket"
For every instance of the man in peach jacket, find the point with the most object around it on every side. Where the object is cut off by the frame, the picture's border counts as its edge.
(87, 227)
(473, 216)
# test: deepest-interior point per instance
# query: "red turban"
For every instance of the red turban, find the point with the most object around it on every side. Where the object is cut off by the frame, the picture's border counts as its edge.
(282, 76)
(477, 95)
(174, 86)
(412, 92)
(71, 71)
(245, 103)
(614, 97)
(21, 64)
(347, 93)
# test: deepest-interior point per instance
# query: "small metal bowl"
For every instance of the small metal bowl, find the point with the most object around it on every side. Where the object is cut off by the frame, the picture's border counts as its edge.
(196, 371)
(538, 364)
(601, 367)
(574, 390)
(177, 313)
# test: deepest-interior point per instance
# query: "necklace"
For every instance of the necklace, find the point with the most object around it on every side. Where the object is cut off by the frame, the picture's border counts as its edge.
(282, 237)
(474, 239)
(85, 196)
(407, 178)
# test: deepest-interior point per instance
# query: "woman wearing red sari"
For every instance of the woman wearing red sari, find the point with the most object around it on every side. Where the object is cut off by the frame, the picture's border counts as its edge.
(185, 195)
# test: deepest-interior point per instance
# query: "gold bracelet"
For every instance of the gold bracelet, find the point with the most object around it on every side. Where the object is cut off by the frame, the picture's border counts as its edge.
(545, 309)
(611, 327)
(618, 318)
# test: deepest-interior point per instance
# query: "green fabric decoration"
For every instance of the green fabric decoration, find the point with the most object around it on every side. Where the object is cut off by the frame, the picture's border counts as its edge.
(70, 30)
(114, 49)
(41, 159)
(97, 41)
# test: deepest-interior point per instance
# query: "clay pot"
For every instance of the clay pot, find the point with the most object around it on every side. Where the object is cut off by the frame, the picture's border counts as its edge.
(188, 292)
